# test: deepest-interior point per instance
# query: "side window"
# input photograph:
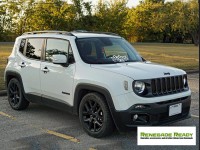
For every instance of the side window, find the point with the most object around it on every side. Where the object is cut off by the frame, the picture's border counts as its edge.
(55, 46)
(71, 56)
(34, 48)
(22, 45)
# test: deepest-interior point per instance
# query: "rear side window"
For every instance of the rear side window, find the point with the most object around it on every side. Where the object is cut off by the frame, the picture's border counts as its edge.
(34, 48)
(22, 45)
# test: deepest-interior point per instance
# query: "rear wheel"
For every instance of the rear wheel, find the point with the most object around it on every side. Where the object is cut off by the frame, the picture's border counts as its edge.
(95, 116)
(15, 95)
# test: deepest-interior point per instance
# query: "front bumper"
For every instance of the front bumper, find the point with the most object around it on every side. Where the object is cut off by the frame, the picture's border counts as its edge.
(153, 114)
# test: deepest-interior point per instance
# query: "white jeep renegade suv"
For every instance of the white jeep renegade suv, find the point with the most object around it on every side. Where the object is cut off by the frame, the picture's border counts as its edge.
(98, 76)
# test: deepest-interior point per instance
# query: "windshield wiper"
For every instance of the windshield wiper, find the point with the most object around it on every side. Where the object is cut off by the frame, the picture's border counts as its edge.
(101, 62)
(107, 62)
(128, 61)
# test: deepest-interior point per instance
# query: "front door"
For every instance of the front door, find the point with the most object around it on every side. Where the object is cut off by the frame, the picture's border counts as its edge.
(57, 80)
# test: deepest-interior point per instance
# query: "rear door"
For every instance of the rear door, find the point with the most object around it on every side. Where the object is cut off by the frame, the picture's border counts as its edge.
(29, 64)
(57, 80)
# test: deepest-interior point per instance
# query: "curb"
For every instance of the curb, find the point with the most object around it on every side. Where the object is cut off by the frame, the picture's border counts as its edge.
(3, 93)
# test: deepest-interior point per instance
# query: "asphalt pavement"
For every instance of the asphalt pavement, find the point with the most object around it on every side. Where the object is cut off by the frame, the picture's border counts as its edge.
(40, 127)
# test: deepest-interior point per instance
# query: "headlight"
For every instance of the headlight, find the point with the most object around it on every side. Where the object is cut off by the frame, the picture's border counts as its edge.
(139, 87)
(185, 81)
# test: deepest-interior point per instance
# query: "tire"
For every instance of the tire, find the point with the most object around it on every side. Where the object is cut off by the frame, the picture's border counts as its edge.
(95, 116)
(16, 98)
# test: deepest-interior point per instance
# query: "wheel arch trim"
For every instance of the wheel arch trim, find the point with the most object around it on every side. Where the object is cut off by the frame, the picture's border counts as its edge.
(99, 89)
(16, 75)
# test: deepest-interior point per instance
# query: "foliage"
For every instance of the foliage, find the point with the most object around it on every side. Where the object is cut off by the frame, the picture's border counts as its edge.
(151, 20)
(145, 20)
(112, 17)
(167, 22)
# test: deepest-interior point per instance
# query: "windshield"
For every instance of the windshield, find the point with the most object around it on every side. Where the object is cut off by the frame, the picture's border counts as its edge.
(106, 50)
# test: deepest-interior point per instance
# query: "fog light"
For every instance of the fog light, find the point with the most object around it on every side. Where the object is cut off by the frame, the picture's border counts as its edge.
(135, 117)
(141, 118)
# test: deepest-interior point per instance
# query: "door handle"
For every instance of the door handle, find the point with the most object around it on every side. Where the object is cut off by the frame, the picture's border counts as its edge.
(45, 70)
(22, 64)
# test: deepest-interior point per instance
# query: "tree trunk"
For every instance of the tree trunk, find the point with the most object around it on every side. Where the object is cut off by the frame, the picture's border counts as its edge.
(164, 38)
(195, 37)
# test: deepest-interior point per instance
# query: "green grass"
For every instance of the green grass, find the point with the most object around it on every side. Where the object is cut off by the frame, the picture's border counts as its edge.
(5, 50)
(184, 56)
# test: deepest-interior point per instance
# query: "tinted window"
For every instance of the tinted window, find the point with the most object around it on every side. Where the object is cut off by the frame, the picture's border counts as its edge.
(22, 45)
(56, 46)
(34, 48)
(71, 56)
(105, 50)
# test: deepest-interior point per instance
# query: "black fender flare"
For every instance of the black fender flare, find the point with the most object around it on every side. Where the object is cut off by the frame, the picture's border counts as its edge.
(12, 74)
(101, 90)
(16, 75)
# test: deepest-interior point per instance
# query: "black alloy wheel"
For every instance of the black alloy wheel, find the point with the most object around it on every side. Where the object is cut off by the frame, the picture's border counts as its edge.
(15, 96)
(92, 115)
(95, 116)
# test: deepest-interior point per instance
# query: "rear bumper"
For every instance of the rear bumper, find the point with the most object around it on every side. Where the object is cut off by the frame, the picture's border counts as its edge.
(152, 114)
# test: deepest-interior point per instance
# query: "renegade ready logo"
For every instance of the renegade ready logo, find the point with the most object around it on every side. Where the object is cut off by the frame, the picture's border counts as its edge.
(166, 136)
(174, 135)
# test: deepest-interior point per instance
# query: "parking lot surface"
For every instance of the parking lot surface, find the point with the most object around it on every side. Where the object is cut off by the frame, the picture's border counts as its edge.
(41, 127)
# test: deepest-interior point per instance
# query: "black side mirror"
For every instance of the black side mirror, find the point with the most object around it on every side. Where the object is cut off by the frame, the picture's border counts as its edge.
(143, 59)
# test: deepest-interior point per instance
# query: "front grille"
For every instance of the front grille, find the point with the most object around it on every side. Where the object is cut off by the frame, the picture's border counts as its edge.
(172, 101)
(161, 86)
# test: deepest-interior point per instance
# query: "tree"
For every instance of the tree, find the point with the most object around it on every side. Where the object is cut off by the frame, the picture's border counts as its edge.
(5, 22)
(151, 20)
(193, 19)
(144, 21)
(186, 18)
(112, 16)
(155, 1)
(18, 10)
(171, 21)
(84, 20)
(50, 15)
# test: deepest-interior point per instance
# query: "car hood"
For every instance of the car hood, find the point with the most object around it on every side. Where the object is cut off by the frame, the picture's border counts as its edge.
(140, 70)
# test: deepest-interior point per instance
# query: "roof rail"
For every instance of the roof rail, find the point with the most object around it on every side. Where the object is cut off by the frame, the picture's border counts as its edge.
(79, 31)
(97, 32)
(48, 31)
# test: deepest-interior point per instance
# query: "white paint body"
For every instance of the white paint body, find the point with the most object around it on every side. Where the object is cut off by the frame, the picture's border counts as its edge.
(109, 76)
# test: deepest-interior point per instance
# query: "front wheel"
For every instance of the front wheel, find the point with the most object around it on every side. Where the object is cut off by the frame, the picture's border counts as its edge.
(15, 95)
(95, 116)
